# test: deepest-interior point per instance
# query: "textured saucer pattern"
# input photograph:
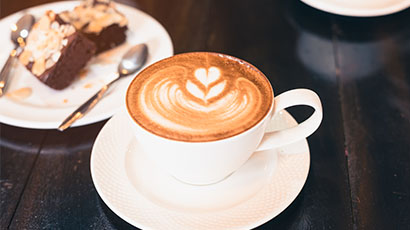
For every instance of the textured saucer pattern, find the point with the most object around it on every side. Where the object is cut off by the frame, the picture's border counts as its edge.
(111, 181)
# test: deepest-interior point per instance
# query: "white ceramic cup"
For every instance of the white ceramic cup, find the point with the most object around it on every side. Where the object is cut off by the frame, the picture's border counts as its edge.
(212, 161)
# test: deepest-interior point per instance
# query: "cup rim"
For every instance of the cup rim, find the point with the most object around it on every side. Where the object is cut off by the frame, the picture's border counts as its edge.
(267, 114)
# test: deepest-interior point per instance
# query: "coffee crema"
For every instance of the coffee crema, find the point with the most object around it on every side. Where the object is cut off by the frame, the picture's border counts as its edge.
(197, 97)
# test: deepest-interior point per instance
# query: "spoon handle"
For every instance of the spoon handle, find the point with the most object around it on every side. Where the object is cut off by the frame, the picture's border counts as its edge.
(5, 73)
(86, 106)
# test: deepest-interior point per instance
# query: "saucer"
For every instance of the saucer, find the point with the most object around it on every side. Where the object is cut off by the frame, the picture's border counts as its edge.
(145, 196)
(362, 8)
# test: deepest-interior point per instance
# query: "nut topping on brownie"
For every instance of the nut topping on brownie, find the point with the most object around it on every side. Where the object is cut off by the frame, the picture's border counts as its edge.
(45, 42)
(55, 52)
(100, 22)
(93, 16)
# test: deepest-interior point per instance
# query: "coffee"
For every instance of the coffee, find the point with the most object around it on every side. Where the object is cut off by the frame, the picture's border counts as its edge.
(199, 97)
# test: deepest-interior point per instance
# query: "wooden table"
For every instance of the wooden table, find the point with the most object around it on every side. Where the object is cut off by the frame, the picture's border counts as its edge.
(360, 157)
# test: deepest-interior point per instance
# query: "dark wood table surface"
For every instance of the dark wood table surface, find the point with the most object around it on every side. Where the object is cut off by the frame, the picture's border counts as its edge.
(360, 156)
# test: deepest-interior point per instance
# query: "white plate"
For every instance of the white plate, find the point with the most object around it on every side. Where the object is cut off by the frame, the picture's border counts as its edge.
(148, 198)
(47, 108)
(359, 8)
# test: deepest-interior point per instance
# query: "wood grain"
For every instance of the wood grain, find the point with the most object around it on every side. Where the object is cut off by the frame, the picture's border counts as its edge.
(360, 161)
(17, 159)
(374, 88)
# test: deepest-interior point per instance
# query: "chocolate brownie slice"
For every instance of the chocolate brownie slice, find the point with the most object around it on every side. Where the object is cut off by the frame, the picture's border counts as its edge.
(99, 21)
(55, 52)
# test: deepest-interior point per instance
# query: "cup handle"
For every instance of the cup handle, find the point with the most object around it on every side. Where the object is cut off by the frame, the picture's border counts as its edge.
(287, 136)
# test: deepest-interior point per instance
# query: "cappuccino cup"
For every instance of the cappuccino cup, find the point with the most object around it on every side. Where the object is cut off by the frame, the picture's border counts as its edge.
(200, 116)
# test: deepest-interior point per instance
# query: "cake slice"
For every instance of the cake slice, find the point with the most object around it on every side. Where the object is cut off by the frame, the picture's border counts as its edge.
(55, 52)
(100, 22)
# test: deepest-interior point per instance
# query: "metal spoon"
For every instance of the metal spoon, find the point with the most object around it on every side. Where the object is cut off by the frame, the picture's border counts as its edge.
(19, 33)
(132, 61)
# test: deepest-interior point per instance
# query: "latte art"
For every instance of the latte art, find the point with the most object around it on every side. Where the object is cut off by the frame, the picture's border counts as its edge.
(206, 90)
(199, 99)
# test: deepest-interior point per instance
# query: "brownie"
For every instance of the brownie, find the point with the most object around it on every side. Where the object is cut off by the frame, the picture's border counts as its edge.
(100, 22)
(55, 52)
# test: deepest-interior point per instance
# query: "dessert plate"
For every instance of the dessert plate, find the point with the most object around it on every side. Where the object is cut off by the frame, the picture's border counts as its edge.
(362, 8)
(148, 198)
(31, 104)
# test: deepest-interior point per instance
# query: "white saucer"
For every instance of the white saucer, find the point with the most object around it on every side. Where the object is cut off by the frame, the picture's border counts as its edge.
(359, 8)
(148, 198)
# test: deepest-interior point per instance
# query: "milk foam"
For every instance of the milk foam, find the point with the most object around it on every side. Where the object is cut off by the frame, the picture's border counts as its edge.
(206, 91)
(198, 103)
